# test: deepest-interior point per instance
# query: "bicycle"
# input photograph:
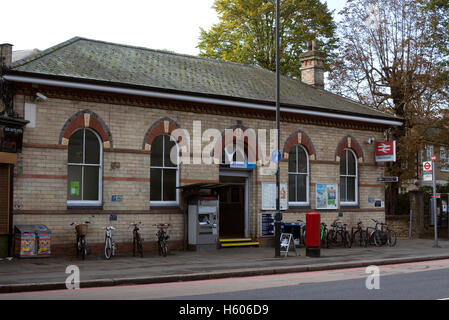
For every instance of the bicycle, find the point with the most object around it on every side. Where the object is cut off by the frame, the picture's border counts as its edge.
(383, 236)
(338, 235)
(81, 242)
(162, 238)
(109, 244)
(137, 239)
(359, 234)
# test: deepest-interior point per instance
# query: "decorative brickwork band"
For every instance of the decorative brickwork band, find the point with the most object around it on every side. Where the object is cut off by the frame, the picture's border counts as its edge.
(162, 126)
(86, 119)
(299, 137)
(349, 142)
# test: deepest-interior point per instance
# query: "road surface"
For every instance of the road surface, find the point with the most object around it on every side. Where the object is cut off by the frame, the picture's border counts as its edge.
(414, 281)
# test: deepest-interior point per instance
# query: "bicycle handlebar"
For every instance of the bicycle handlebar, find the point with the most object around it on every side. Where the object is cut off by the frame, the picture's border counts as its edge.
(135, 224)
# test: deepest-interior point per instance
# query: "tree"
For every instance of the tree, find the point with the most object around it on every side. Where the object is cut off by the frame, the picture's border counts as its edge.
(246, 32)
(440, 10)
(390, 57)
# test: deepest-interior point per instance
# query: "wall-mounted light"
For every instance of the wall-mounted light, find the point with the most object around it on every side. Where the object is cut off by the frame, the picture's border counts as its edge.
(40, 97)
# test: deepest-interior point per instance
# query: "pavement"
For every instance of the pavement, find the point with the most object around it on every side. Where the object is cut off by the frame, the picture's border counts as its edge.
(35, 274)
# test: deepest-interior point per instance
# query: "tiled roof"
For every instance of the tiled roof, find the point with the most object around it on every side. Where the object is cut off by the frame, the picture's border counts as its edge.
(88, 59)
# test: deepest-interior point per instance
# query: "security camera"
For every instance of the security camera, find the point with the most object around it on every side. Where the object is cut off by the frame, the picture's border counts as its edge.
(371, 140)
(40, 96)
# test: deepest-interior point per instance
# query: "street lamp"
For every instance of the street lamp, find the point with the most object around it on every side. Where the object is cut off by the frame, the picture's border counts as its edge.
(278, 217)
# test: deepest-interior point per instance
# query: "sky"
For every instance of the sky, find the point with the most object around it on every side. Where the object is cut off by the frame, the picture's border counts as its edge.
(157, 24)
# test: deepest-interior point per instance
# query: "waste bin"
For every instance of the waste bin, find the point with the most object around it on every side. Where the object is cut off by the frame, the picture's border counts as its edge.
(32, 241)
(295, 229)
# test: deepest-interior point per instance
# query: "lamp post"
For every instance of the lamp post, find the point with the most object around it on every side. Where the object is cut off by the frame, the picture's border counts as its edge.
(278, 217)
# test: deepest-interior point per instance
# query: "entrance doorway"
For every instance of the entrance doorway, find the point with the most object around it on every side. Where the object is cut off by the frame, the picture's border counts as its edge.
(233, 208)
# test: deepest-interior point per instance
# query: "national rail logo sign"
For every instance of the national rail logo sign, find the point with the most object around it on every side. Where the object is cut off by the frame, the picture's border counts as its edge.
(386, 151)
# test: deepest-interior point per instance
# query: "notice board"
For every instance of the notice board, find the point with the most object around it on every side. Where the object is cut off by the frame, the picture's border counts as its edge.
(269, 196)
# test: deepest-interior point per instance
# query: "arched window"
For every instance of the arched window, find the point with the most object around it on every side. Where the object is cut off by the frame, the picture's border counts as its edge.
(348, 178)
(163, 172)
(298, 176)
(85, 156)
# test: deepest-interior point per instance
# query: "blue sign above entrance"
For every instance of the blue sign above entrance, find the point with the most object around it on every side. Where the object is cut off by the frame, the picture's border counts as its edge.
(242, 165)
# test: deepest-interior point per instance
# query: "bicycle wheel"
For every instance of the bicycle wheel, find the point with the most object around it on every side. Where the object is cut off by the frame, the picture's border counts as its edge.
(363, 238)
(347, 240)
(138, 246)
(391, 238)
(164, 248)
(83, 248)
(134, 247)
(78, 246)
(377, 238)
(330, 238)
(108, 248)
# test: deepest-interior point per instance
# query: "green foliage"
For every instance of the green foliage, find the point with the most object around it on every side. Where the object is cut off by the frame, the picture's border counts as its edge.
(246, 32)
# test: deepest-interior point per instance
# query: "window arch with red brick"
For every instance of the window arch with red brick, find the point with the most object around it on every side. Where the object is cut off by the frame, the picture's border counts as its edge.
(299, 138)
(86, 119)
(162, 126)
(349, 142)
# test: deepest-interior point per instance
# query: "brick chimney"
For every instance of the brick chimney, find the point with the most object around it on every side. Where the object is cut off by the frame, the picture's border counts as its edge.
(5, 54)
(312, 66)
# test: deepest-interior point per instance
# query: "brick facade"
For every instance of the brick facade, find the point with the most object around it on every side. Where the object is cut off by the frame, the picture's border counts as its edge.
(127, 131)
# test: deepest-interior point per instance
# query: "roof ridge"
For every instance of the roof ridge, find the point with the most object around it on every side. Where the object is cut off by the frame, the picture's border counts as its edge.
(40, 54)
(173, 53)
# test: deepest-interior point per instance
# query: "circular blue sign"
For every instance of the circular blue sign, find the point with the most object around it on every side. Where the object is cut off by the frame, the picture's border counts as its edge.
(276, 156)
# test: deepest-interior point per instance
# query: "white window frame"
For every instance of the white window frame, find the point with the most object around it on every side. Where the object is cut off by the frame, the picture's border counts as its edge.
(307, 202)
(444, 159)
(88, 203)
(356, 176)
(162, 203)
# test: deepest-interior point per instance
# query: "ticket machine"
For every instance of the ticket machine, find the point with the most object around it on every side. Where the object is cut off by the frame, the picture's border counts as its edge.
(203, 211)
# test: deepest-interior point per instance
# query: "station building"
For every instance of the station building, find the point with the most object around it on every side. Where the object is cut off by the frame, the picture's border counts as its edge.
(97, 119)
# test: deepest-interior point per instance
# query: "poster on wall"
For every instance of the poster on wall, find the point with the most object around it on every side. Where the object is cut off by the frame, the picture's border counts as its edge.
(326, 196)
(269, 196)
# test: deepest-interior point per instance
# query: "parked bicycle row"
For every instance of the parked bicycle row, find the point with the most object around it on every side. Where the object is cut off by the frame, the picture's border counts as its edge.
(110, 246)
(339, 235)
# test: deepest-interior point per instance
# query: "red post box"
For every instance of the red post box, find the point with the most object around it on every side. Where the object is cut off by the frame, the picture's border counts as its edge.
(313, 243)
